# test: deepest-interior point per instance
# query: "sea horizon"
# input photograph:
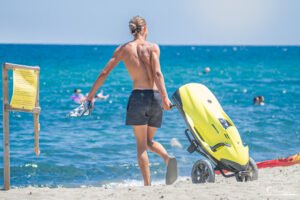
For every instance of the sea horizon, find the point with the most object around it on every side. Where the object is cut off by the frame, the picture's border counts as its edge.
(160, 44)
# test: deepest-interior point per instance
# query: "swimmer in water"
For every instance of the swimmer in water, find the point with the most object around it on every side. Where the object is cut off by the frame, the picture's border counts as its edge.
(101, 96)
(259, 100)
(79, 98)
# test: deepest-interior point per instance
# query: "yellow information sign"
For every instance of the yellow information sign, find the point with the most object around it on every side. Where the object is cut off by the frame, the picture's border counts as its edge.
(24, 88)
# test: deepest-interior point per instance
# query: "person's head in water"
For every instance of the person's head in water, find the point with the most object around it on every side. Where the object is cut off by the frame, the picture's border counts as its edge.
(138, 27)
(77, 91)
(259, 100)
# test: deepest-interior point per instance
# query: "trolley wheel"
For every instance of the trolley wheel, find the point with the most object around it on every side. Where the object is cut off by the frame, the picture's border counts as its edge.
(252, 172)
(203, 172)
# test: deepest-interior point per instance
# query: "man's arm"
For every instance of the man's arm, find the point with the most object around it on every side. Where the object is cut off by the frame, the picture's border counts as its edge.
(115, 59)
(159, 78)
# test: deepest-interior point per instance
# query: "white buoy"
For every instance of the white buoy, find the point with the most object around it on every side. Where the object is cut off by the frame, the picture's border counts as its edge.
(206, 69)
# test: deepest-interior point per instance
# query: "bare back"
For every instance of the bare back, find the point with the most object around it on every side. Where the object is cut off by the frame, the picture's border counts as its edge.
(136, 56)
(141, 59)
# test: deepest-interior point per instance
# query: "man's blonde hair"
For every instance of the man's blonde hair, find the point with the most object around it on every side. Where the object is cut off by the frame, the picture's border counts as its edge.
(136, 24)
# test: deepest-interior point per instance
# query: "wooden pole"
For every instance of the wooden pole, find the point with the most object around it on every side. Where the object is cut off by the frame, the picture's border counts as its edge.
(5, 128)
(36, 133)
(36, 118)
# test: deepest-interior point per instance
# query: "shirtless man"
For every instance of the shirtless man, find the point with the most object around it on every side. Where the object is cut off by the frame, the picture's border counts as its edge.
(148, 98)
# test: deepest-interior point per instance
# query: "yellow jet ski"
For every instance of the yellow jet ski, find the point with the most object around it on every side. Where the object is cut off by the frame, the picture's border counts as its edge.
(214, 136)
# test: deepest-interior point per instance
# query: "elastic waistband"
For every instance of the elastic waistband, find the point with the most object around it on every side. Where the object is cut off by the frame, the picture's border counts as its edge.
(144, 91)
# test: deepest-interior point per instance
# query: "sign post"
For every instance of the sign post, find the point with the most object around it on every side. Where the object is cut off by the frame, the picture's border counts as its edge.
(25, 98)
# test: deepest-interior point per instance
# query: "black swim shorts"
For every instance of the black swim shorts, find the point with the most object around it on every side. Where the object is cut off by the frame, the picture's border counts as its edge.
(144, 108)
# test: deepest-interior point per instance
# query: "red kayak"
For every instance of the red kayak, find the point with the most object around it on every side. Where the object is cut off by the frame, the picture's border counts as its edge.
(280, 162)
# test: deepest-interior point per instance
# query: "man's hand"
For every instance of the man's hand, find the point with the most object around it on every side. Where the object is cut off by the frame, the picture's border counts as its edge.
(166, 103)
(91, 103)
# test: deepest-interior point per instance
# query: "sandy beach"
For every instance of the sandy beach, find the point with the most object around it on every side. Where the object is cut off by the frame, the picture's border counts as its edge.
(273, 183)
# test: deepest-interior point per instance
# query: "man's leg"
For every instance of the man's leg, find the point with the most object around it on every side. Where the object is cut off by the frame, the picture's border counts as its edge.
(156, 147)
(140, 133)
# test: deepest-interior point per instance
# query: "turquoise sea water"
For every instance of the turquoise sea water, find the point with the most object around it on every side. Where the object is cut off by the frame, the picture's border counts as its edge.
(100, 149)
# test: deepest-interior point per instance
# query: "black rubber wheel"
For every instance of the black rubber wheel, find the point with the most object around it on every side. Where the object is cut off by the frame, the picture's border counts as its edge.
(253, 172)
(203, 172)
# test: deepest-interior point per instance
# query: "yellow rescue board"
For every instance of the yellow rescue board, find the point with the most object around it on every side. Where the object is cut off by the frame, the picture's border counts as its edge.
(211, 124)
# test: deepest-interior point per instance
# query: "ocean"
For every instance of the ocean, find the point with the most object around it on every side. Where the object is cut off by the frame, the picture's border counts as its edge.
(99, 150)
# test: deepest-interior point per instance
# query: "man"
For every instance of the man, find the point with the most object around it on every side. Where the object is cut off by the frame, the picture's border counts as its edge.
(149, 96)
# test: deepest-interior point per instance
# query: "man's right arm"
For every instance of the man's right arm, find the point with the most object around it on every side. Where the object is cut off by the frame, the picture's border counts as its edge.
(115, 59)
(159, 78)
